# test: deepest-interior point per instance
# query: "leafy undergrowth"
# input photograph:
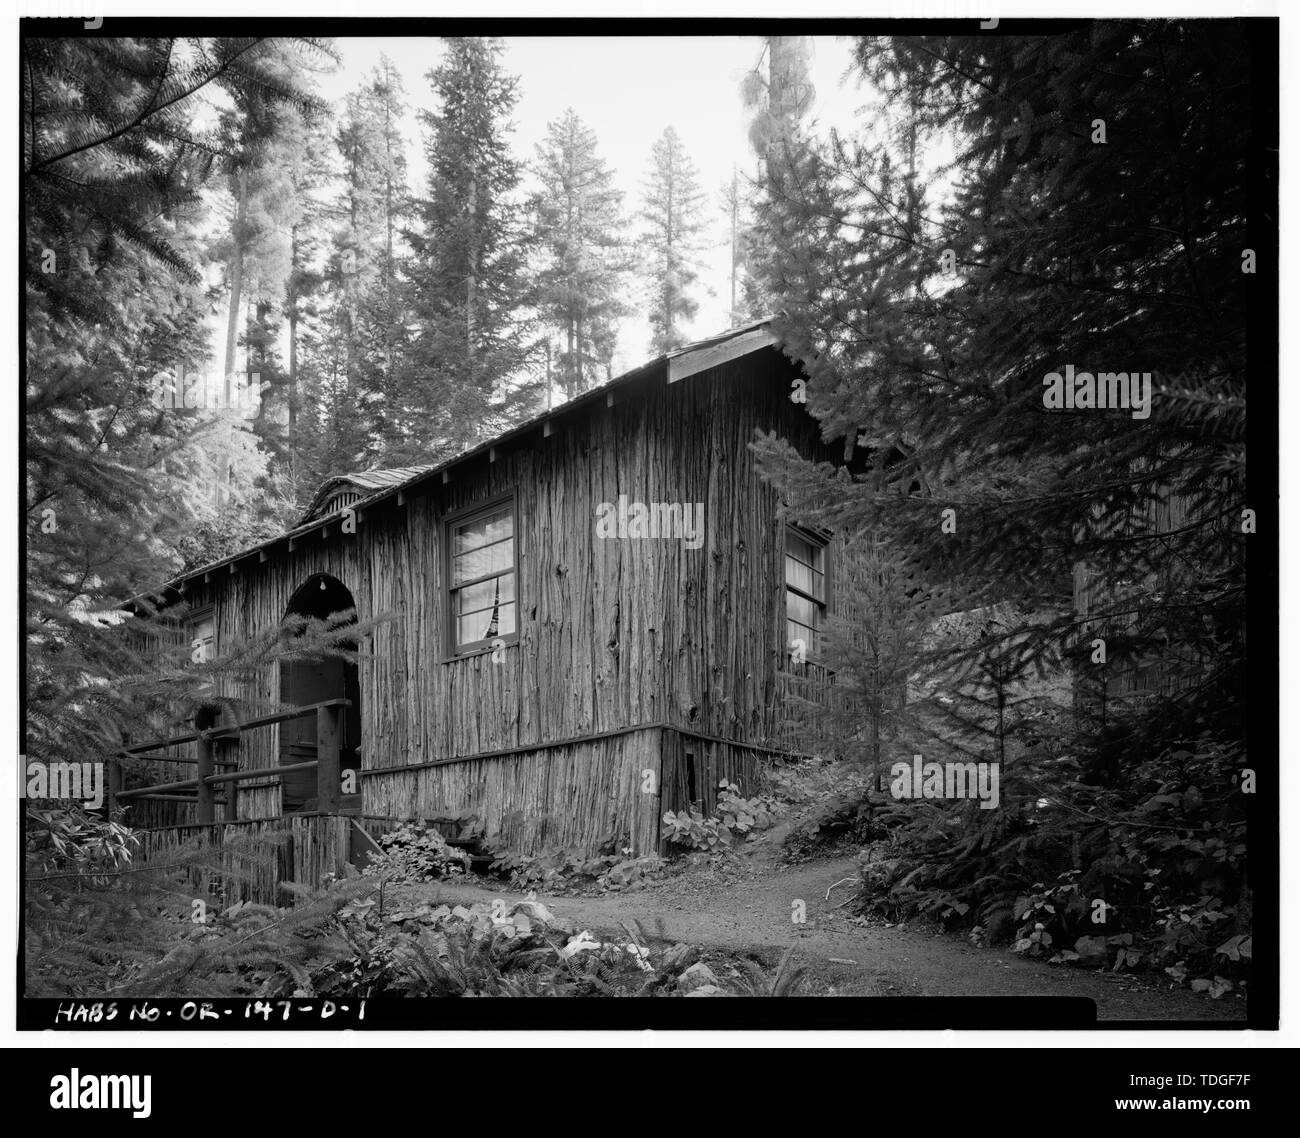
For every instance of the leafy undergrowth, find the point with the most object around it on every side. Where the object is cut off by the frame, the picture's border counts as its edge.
(828, 803)
(735, 819)
(153, 934)
(416, 852)
(344, 942)
(700, 842)
(1145, 878)
(573, 872)
(696, 840)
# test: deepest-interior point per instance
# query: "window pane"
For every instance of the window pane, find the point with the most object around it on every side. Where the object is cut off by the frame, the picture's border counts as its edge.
(801, 609)
(483, 531)
(798, 574)
(486, 625)
(507, 622)
(796, 631)
(796, 546)
(202, 636)
(482, 551)
(475, 598)
(809, 552)
(483, 560)
(805, 565)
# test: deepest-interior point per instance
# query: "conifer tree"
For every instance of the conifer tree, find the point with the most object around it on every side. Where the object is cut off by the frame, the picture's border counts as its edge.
(378, 317)
(265, 211)
(308, 175)
(746, 299)
(465, 373)
(354, 342)
(778, 95)
(673, 212)
(778, 92)
(583, 251)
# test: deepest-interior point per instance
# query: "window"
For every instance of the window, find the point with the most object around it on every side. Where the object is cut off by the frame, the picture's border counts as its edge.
(481, 571)
(201, 635)
(201, 638)
(805, 593)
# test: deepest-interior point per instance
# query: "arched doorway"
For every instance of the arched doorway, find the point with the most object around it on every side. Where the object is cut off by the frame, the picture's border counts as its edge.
(314, 679)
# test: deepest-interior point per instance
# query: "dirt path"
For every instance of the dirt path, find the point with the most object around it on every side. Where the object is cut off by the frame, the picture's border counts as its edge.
(750, 910)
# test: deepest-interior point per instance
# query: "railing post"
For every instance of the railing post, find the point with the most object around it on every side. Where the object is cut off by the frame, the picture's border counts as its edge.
(232, 790)
(114, 784)
(225, 755)
(207, 792)
(327, 760)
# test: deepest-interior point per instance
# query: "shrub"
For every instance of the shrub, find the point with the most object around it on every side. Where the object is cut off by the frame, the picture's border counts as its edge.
(95, 920)
(742, 815)
(736, 817)
(69, 839)
(1148, 874)
(691, 830)
(557, 870)
(415, 852)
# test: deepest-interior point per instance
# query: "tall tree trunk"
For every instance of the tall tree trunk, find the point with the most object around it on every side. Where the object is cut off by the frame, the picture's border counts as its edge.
(471, 276)
(581, 384)
(570, 387)
(291, 304)
(232, 323)
(236, 278)
(388, 199)
(734, 218)
(668, 268)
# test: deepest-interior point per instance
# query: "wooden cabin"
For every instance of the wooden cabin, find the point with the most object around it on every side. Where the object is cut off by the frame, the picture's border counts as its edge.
(578, 626)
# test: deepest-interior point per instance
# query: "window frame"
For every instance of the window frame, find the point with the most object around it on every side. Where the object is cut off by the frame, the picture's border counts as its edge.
(821, 539)
(452, 651)
(192, 620)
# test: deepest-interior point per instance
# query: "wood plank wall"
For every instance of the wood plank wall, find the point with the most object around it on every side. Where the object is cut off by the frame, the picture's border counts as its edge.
(726, 670)
(299, 847)
(711, 762)
(580, 795)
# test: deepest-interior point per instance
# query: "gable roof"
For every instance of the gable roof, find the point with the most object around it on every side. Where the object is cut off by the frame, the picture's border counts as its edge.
(381, 485)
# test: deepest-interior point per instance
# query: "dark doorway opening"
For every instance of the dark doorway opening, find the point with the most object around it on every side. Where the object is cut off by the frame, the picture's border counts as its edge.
(314, 679)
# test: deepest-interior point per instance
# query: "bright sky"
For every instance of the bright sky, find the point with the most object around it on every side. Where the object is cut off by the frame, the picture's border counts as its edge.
(627, 90)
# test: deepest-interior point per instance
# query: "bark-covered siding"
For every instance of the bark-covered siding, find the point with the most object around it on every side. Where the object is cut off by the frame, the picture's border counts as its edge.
(724, 621)
(576, 795)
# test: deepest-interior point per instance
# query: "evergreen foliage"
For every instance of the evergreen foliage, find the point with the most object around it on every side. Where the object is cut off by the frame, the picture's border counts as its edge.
(584, 255)
(673, 213)
(468, 284)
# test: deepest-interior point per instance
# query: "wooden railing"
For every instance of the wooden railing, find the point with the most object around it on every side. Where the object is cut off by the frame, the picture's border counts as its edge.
(206, 777)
